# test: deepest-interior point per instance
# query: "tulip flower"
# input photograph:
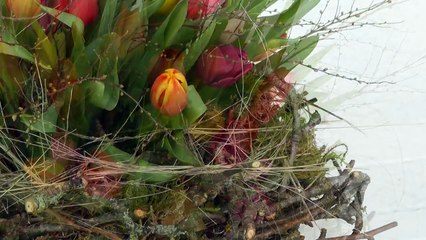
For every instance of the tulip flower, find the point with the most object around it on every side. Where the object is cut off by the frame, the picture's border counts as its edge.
(86, 10)
(169, 92)
(203, 8)
(24, 8)
(223, 66)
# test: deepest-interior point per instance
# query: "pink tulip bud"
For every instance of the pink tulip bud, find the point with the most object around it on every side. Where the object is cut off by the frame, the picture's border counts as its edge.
(223, 66)
(203, 8)
(169, 92)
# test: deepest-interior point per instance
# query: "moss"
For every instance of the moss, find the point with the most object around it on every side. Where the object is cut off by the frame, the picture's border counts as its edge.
(136, 195)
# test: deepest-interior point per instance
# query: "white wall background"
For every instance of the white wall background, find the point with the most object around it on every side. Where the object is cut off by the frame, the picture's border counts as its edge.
(391, 147)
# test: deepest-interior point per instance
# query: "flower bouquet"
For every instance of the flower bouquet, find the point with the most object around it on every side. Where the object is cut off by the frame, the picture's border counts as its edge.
(163, 119)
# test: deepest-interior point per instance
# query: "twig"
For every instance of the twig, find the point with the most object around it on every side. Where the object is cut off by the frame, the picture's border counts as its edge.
(366, 235)
(355, 79)
(343, 198)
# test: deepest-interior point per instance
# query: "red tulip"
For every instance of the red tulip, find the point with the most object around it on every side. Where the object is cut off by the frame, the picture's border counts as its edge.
(223, 66)
(86, 10)
(24, 8)
(169, 92)
(61, 4)
(203, 8)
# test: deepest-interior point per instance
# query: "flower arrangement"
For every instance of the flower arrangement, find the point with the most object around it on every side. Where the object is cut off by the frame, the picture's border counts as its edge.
(162, 119)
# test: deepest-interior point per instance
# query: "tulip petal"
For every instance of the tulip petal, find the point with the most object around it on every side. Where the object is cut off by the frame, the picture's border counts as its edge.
(86, 10)
(175, 99)
(158, 90)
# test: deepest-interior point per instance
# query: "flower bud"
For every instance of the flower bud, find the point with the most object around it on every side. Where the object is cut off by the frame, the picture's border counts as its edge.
(223, 66)
(24, 8)
(86, 10)
(202, 8)
(169, 92)
(167, 7)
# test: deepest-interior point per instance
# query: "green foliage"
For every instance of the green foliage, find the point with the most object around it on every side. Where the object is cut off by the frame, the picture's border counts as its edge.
(66, 18)
(178, 147)
(290, 17)
(16, 51)
(107, 18)
(44, 123)
(45, 52)
(298, 50)
(105, 94)
(138, 165)
(199, 45)
(162, 38)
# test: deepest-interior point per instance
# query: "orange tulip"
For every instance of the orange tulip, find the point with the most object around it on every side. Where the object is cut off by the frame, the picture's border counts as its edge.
(24, 8)
(169, 92)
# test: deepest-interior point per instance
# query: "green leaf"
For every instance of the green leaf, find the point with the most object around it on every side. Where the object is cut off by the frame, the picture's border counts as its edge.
(102, 49)
(12, 77)
(61, 45)
(165, 34)
(128, 26)
(194, 110)
(138, 172)
(105, 94)
(45, 49)
(289, 17)
(296, 11)
(298, 50)
(195, 107)
(66, 18)
(199, 45)
(149, 176)
(259, 8)
(107, 19)
(174, 22)
(78, 42)
(272, 27)
(153, 6)
(16, 51)
(46, 123)
(116, 154)
(179, 149)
